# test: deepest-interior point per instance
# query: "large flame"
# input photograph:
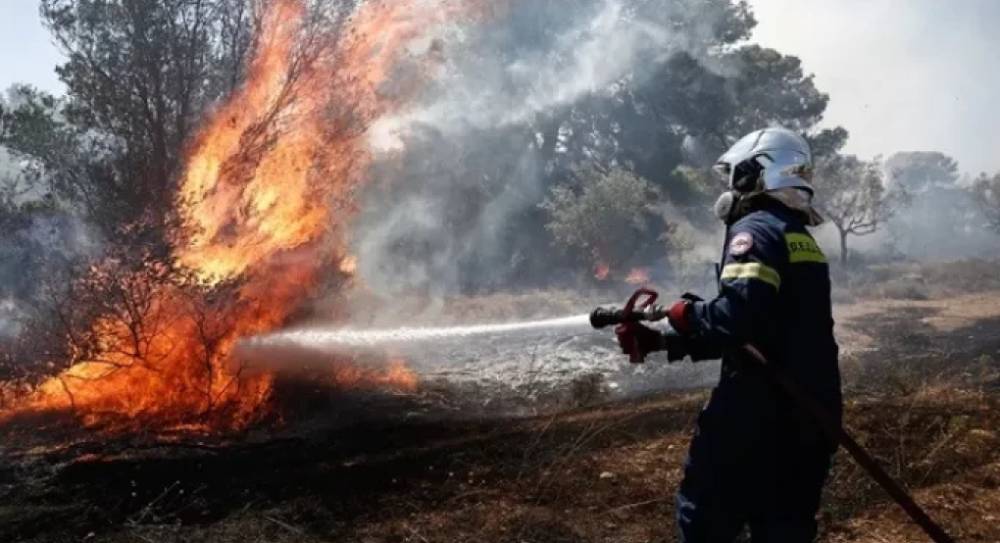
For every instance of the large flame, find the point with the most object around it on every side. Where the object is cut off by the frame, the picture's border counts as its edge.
(263, 199)
(247, 193)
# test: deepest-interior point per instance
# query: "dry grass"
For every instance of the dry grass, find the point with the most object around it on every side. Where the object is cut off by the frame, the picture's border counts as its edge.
(915, 281)
(609, 475)
(923, 384)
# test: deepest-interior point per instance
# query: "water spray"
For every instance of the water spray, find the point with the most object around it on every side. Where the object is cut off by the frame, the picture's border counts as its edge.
(325, 338)
(640, 307)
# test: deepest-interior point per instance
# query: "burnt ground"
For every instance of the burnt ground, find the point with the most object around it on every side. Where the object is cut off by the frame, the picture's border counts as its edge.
(923, 389)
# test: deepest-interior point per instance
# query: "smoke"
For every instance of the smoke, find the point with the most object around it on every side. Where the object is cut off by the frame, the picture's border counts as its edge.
(39, 240)
(37, 247)
(463, 165)
(941, 224)
(507, 73)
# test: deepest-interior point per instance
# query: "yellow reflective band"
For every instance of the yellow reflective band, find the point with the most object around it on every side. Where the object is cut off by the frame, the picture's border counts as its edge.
(803, 248)
(752, 270)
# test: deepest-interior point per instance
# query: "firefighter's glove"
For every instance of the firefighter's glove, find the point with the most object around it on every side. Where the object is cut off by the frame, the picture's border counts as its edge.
(679, 316)
(637, 340)
(676, 345)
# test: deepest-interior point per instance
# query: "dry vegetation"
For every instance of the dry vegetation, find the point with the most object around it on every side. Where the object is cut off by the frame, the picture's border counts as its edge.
(923, 395)
(232, 139)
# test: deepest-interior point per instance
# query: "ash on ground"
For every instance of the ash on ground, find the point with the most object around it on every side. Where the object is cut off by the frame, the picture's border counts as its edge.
(518, 369)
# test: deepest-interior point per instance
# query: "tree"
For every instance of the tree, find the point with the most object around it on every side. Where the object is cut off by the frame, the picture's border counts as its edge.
(139, 74)
(920, 170)
(700, 87)
(757, 87)
(41, 246)
(987, 192)
(942, 219)
(771, 88)
(853, 196)
(606, 216)
(827, 142)
(641, 121)
(69, 164)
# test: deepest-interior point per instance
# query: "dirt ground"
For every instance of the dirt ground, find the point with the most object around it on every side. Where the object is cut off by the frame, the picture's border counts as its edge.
(923, 394)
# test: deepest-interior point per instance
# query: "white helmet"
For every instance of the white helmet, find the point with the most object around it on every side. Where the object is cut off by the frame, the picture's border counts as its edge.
(767, 160)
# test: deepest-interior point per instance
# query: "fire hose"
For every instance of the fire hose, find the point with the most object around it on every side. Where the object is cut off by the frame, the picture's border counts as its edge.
(641, 307)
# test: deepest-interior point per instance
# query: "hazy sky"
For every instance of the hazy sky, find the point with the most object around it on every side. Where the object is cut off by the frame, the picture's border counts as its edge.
(26, 52)
(902, 74)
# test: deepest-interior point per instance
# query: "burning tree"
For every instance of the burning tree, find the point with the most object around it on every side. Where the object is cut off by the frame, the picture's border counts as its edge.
(147, 334)
(853, 196)
(139, 74)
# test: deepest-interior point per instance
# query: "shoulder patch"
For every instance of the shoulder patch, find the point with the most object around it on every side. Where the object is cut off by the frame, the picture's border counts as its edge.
(741, 244)
(803, 248)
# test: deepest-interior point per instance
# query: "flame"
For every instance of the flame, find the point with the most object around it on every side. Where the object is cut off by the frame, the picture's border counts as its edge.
(349, 264)
(601, 271)
(245, 198)
(396, 376)
(263, 200)
(637, 276)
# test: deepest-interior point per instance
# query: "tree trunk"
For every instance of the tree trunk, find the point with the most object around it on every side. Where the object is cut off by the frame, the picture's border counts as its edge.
(843, 246)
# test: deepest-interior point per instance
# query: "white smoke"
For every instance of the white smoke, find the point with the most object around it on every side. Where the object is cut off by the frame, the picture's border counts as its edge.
(37, 247)
(481, 90)
(460, 134)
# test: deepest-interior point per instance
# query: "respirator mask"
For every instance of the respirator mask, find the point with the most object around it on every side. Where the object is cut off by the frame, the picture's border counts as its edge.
(745, 182)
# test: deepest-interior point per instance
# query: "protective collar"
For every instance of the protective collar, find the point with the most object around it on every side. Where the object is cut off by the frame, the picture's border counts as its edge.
(733, 205)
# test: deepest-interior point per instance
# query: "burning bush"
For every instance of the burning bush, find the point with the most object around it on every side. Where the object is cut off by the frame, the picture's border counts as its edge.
(135, 339)
(147, 336)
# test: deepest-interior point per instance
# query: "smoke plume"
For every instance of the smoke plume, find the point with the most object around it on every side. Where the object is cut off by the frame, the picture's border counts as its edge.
(461, 169)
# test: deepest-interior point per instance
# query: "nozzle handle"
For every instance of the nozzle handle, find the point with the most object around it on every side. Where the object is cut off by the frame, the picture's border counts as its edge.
(636, 309)
(636, 356)
(633, 301)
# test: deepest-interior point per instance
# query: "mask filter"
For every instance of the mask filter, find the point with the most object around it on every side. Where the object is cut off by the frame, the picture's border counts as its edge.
(725, 205)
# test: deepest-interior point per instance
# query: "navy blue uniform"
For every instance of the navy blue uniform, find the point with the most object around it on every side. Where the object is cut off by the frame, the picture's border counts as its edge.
(756, 458)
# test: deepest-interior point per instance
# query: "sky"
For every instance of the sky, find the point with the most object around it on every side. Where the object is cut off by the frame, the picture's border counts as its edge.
(902, 74)
(27, 54)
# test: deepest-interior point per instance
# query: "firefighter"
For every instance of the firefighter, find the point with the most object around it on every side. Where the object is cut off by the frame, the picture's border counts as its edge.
(756, 460)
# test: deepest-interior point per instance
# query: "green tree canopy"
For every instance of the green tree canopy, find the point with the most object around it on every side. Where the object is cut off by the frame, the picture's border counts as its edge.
(139, 75)
(606, 216)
